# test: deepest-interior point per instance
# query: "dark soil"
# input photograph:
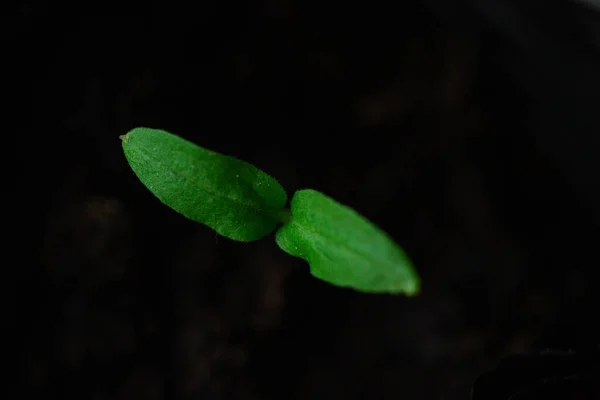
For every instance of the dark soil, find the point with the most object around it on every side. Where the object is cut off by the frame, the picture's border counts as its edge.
(408, 121)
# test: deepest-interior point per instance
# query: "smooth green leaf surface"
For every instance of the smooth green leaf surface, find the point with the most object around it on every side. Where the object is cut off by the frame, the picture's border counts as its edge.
(344, 248)
(234, 198)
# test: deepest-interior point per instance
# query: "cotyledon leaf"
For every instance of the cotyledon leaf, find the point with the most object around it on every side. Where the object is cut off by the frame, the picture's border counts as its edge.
(344, 248)
(231, 196)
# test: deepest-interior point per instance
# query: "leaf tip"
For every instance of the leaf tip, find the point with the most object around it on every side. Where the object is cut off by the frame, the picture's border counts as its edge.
(122, 137)
(413, 292)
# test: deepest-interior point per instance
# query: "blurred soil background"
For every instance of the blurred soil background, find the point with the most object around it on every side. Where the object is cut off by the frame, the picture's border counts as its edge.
(411, 122)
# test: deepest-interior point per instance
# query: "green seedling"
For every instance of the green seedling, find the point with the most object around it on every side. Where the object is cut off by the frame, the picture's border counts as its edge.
(243, 203)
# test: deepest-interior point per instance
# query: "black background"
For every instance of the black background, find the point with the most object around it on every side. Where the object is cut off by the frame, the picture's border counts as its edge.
(429, 122)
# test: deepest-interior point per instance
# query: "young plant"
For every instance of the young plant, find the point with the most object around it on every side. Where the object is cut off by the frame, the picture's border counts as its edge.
(243, 203)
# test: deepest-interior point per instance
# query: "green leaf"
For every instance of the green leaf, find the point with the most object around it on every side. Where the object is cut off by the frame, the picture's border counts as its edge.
(234, 198)
(344, 248)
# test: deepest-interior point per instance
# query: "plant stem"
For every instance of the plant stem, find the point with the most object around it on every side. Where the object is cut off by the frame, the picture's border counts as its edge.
(283, 216)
